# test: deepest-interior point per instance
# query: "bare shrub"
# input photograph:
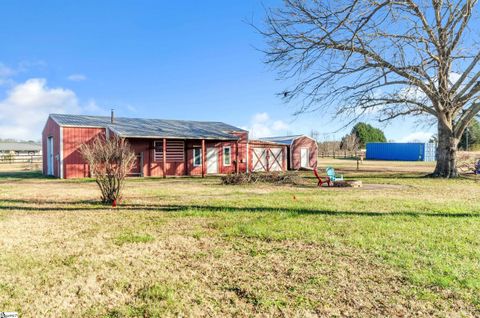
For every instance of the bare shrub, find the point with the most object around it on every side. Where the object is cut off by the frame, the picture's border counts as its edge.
(110, 160)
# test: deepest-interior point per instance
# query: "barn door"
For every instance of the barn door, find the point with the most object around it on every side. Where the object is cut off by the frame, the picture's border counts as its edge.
(50, 156)
(304, 158)
(259, 160)
(137, 168)
(212, 160)
(275, 159)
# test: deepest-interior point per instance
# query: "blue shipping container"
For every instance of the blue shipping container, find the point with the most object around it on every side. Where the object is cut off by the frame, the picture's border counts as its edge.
(401, 151)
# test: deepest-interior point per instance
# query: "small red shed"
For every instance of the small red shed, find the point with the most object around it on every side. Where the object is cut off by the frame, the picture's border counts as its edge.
(302, 151)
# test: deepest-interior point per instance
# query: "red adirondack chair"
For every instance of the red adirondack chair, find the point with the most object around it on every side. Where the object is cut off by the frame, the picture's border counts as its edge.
(320, 181)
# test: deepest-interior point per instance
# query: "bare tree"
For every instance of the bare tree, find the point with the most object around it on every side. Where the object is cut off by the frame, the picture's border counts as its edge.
(387, 57)
(350, 143)
(314, 134)
(328, 148)
(110, 160)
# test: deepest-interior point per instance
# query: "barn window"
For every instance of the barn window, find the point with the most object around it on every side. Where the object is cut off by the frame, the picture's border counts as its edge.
(197, 156)
(175, 150)
(158, 150)
(227, 156)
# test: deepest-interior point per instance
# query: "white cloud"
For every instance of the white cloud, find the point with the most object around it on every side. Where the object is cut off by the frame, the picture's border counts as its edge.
(260, 118)
(419, 136)
(261, 125)
(25, 109)
(76, 77)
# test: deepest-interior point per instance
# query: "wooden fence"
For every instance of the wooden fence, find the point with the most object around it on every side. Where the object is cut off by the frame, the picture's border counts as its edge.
(341, 154)
(9, 158)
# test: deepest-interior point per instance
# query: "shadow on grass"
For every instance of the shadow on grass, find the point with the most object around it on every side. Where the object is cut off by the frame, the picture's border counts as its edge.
(23, 175)
(87, 205)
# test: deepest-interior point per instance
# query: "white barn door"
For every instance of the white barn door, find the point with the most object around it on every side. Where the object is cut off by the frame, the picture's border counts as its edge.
(50, 156)
(267, 159)
(212, 160)
(304, 158)
(259, 159)
(275, 159)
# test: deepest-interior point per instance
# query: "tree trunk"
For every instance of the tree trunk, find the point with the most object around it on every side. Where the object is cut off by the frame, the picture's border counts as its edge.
(446, 152)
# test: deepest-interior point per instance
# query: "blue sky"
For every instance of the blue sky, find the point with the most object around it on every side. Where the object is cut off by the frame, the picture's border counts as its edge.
(161, 59)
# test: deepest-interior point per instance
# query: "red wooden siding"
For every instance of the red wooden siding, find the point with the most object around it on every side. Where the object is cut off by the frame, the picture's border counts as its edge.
(52, 129)
(180, 156)
(73, 138)
(295, 152)
(242, 151)
(179, 153)
(218, 145)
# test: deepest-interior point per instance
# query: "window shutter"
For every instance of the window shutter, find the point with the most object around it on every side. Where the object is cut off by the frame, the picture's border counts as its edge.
(158, 150)
(175, 150)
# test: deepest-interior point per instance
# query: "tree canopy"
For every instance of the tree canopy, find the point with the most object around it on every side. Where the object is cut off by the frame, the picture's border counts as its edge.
(367, 133)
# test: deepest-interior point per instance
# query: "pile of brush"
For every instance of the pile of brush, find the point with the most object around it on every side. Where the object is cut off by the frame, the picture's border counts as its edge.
(263, 177)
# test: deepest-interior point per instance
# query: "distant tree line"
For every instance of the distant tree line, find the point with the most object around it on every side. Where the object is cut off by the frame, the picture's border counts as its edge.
(363, 133)
(352, 143)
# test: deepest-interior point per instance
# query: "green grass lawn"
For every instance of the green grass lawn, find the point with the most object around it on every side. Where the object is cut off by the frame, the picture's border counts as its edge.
(402, 245)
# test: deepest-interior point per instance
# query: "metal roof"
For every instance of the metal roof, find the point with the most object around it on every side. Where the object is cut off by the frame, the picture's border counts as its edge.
(20, 146)
(264, 142)
(152, 128)
(286, 140)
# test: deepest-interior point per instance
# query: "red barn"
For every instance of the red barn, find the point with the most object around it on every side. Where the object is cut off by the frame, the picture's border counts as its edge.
(163, 147)
(302, 150)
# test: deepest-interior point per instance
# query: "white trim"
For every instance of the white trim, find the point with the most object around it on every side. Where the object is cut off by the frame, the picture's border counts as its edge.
(61, 152)
(193, 157)
(229, 154)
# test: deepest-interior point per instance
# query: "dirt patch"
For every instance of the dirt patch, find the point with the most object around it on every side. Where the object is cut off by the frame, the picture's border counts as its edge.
(368, 186)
